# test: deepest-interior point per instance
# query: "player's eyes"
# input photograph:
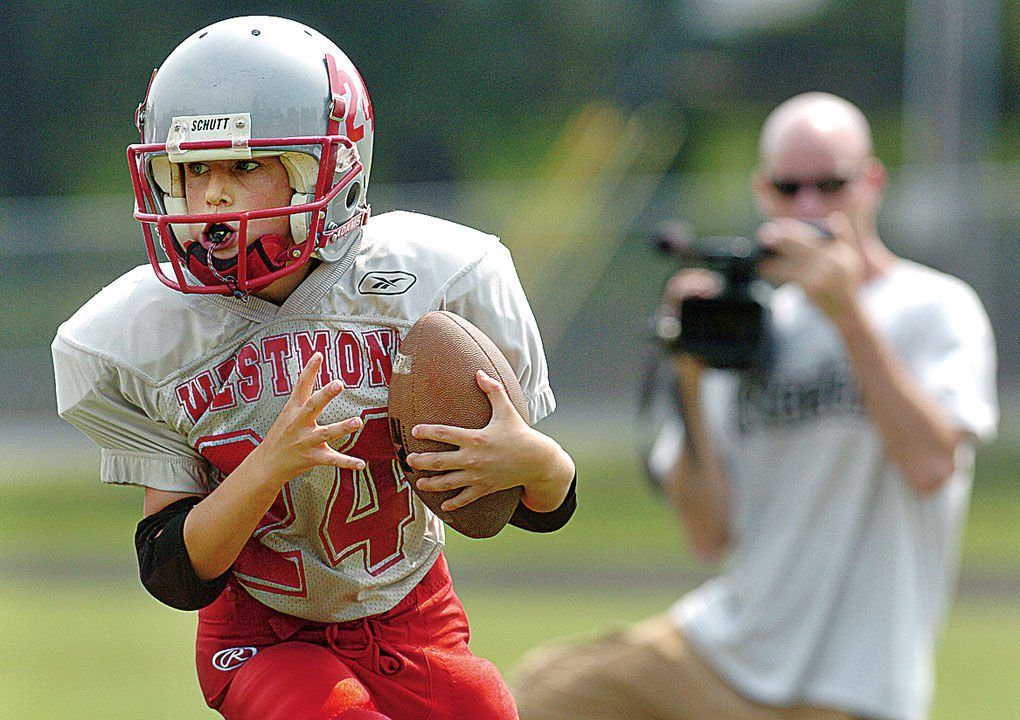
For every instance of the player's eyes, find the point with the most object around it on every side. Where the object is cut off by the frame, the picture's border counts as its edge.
(197, 168)
(247, 165)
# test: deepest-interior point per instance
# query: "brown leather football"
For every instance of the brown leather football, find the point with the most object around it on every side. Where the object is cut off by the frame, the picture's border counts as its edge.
(433, 382)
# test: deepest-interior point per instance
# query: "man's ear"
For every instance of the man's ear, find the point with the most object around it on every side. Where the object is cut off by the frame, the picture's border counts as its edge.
(875, 175)
(875, 178)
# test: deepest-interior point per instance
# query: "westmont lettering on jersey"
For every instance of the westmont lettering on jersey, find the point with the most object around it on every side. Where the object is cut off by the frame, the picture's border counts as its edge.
(356, 358)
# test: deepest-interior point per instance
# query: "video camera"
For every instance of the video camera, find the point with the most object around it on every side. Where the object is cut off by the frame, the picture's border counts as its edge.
(733, 329)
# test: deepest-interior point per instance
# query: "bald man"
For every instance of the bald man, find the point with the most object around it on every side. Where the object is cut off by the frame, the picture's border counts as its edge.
(832, 487)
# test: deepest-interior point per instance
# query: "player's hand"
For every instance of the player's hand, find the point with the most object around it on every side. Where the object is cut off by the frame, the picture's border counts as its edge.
(296, 442)
(505, 453)
(830, 270)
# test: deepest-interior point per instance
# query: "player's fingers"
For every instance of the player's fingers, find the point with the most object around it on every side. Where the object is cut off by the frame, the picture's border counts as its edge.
(443, 433)
(446, 481)
(328, 456)
(322, 397)
(496, 392)
(465, 496)
(337, 430)
(306, 379)
(451, 460)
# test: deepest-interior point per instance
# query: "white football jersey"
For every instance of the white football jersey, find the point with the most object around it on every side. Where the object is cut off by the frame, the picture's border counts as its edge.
(177, 389)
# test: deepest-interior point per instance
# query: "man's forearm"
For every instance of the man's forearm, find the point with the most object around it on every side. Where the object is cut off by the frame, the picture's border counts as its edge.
(697, 484)
(917, 435)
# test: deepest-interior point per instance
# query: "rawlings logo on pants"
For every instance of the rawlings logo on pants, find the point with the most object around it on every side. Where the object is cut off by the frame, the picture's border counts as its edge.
(232, 658)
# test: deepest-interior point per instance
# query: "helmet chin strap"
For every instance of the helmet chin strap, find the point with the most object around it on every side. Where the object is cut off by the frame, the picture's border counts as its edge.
(265, 255)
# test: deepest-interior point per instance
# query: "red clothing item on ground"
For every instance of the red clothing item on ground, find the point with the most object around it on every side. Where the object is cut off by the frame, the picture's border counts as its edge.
(410, 663)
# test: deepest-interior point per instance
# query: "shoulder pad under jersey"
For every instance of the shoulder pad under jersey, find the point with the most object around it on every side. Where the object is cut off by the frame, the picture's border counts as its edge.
(137, 322)
(426, 241)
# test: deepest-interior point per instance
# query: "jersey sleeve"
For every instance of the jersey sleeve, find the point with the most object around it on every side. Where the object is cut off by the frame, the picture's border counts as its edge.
(489, 294)
(954, 359)
(118, 411)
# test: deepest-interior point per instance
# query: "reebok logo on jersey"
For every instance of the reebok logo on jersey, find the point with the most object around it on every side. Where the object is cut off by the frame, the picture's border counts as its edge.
(392, 282)
(232, 658)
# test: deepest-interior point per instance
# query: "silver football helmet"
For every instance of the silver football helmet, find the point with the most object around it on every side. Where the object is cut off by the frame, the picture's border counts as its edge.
(242, 88)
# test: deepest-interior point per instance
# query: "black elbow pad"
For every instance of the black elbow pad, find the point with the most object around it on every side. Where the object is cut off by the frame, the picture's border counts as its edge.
(527, 519)
(163, 563)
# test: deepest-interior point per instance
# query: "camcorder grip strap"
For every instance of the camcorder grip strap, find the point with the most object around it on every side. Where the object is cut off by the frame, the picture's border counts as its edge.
(658, 402)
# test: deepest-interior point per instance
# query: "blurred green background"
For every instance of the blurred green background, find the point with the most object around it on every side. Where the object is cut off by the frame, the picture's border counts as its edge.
(571, 129)
(82, 639)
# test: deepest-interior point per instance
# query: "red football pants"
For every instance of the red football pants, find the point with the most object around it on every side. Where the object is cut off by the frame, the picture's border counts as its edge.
(410, 663)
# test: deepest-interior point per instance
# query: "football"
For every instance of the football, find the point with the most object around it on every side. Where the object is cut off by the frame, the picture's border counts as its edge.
(433, 382)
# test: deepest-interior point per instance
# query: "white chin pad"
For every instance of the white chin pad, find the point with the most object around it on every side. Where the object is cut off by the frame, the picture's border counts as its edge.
(299, 221)
(302, 171)
(161, 173)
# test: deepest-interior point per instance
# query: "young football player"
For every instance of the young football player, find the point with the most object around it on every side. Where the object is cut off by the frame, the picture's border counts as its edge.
(244, 386)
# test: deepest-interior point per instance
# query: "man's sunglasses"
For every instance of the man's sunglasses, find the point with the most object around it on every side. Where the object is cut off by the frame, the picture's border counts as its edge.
(826, 186)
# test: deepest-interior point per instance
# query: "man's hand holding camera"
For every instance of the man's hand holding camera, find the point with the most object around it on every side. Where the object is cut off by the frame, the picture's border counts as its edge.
(718, 311)
(686, 284)
(828, 266)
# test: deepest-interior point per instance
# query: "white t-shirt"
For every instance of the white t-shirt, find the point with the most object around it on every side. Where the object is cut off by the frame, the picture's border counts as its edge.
(839, 573)
(176, 389)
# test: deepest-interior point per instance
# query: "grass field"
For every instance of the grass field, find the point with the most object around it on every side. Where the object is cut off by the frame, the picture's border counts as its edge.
(82, 639)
